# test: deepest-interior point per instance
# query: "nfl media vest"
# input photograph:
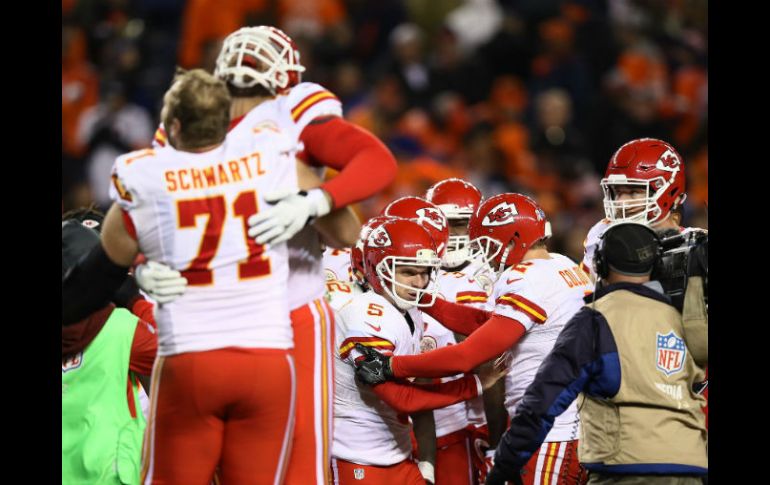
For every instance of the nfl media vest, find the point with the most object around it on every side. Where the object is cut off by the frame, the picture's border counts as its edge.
(101, 442)
(655, 419)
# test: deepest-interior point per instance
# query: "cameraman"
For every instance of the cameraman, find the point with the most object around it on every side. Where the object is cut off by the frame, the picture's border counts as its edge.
(641, 421)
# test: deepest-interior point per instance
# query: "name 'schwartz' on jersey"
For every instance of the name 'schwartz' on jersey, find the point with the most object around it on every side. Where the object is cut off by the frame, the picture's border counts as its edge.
(215, 175)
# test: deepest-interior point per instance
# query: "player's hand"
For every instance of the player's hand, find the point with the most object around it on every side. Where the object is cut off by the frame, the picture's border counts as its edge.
(490, 374)
(291, 212)
(427, 471)
(162, 283)
(375, 368)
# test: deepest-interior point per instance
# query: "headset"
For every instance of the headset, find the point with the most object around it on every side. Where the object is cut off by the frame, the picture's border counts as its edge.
(600, 259)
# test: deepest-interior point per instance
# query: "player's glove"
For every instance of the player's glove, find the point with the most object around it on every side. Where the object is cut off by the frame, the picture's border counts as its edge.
(375, 368)
(291, 212)
(427, 471)
(162, 283)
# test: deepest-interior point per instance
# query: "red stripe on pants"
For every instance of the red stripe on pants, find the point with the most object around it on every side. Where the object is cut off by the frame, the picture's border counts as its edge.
(313, 326)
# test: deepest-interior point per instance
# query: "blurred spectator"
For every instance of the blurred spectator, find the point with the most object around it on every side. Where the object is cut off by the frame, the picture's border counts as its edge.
(109, 129)
(527, 95)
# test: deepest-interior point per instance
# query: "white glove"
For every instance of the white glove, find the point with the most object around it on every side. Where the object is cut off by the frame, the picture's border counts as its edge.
(427, 471)
(162, 283)
(292, 211)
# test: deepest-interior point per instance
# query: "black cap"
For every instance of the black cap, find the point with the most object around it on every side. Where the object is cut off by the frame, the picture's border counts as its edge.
(630, 249)
(76, 241)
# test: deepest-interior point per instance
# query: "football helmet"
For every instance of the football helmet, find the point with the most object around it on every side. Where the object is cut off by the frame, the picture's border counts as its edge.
(504, 228)
(401, 242)
(648, 164)
(357, 251)
(425, 213)
(458, 200)
(260, 55)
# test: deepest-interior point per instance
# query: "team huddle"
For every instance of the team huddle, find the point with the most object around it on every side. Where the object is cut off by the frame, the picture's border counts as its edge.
(302, 350)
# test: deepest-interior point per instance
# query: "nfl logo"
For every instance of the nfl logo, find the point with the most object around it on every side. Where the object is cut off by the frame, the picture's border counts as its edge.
(358, 473)
(670, 353)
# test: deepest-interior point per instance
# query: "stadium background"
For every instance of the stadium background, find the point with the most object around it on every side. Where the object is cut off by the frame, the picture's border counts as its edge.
(514, 95)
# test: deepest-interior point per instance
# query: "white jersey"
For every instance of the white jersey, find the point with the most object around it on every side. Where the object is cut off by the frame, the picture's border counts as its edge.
(190, 211)
(291, 113)
(303, 103)
(542, 295)
(367, 430)
(455, 416)
(340, 293)
(337, 264)
(460, 286)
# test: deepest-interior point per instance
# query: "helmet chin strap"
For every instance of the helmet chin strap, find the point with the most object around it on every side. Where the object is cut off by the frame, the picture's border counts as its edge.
(501, 268)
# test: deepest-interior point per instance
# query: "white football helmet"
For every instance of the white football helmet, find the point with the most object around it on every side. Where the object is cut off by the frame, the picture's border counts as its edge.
(260, 55)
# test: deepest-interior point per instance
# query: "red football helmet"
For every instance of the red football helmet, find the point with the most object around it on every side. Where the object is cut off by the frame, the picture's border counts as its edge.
(425, 213)
(458, 200)
(649, 164)
(504, 228)
(259, 55)
(357, 251)
(400, 242)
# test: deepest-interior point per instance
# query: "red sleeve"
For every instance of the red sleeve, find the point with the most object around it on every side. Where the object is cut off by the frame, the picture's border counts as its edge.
(462, 319)
(365, 163)
(490, 340)
(143, 349)
(409, 398)
(144, 310)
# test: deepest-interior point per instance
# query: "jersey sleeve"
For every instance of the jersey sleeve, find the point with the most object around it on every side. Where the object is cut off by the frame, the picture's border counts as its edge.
(160, 138)
(126, 179)
(520, 300)
(368, 324)
(308, 101)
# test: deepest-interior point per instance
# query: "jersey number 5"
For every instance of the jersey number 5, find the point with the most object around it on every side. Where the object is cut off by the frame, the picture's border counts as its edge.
(245, 205)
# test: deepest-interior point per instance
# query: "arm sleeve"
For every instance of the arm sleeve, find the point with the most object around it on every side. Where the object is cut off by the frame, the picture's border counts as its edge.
(493, 338)
(409, 398)
(144, 310)
(584, 359)
(365, 163)
(143, 349)
(459, 318)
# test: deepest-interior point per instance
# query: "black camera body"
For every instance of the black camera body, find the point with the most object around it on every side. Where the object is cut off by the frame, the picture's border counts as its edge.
(683, 255)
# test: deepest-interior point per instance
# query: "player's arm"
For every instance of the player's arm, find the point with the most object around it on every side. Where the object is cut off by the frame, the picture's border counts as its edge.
(408, 398)
(96, 277)
(493, 338)
(462, 319)
(424, 426)
(339, 228)
(366, 165)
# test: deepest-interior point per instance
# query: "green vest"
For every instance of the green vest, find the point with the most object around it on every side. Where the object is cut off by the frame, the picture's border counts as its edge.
(101, 443)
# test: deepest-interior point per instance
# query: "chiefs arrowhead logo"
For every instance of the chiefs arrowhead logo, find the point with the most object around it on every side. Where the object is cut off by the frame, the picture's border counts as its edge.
(669, 162)
(379, 238)
(500, 215)
(431, 216)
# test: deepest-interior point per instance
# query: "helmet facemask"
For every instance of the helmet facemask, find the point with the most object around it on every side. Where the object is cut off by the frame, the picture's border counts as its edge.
(386, 272)
(458, 247)
(253, 55)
